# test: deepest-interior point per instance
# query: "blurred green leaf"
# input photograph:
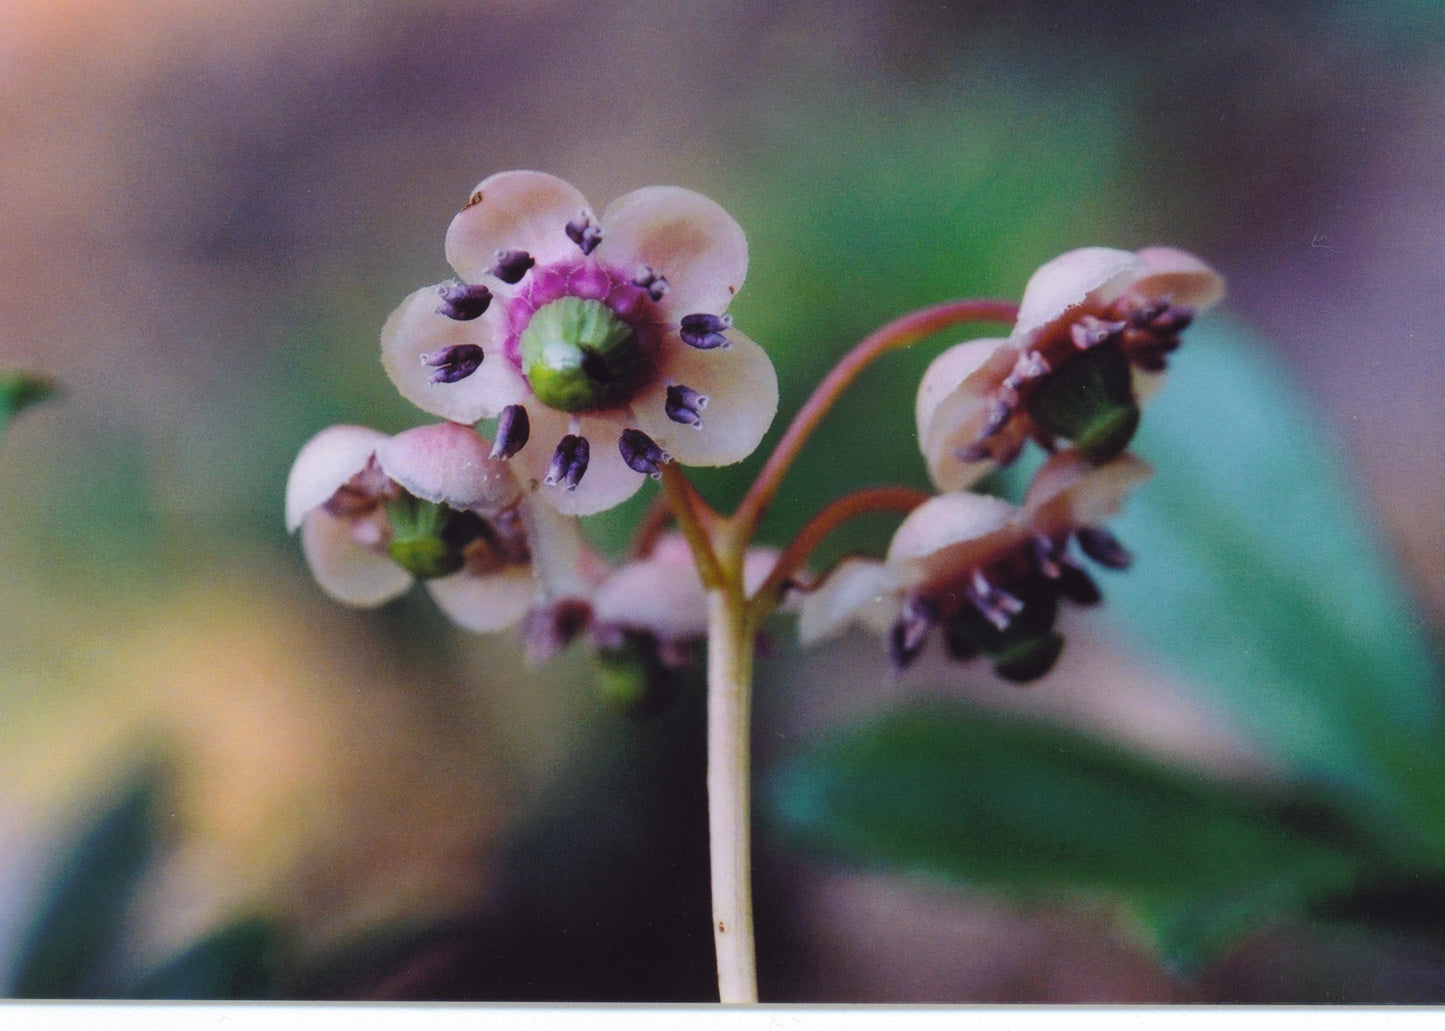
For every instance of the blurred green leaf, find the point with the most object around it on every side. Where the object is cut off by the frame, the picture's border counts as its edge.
(20, 390)
(1037, 810)
(239, 961)
(74, 948)
(1257, 574)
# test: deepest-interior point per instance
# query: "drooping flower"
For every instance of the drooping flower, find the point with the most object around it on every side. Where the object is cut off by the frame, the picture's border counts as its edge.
(376, 512)
(602, 345)
(988, 572)
(1093, 331)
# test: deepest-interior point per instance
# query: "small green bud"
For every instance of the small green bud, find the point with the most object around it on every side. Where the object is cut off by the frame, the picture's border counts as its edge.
(1089, 400)
(427, 538)
(631, 679)
(579, 355)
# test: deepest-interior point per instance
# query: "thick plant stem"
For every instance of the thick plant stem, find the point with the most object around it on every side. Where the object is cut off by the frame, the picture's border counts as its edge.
(729, 704)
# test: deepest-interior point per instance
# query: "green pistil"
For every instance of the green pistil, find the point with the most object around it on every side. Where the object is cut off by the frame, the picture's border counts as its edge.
(1089, 400)
(630, 678)
(427, 538)
(579, 355)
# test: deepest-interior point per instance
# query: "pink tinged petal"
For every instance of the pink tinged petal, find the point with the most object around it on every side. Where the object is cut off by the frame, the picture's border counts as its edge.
(1068, 492)
(1071, 280)
(859, 591)
(486, 603)
(1180, 276)
(451, 464)
(415, 330)
(607, 482)
(560, 563)
(514, 211)
(324, 464)
(741, 388)
(661, 594)
(685, 238)
(955, 398)
(347, 570)
(951, 534)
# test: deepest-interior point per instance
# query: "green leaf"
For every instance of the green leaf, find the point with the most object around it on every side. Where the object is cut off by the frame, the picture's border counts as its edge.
(20, 390)
(239, 961)
(1036, 810)
(74, 947)
(1258, 576)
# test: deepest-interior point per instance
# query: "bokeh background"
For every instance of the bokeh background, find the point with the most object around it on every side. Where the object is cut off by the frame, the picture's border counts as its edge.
(209, 210)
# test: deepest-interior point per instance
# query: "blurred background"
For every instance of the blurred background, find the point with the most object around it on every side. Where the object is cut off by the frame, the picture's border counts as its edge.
(208, 212)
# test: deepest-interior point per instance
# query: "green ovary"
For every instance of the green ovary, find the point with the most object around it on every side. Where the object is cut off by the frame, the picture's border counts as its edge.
(579, 355)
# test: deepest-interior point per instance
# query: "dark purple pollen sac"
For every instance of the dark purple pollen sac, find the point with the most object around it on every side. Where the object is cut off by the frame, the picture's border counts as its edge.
(994, 603)
(1103, 547)
(641, 453)
(463, 301)
(513, 429)
(569, 462)
(705, 332)
(453, 363)
(684, 405)
(511, 266)
(652, 283)
(908, 635)
(584, 233)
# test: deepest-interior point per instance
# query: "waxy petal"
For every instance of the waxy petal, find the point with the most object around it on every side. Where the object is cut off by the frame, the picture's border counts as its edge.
(661, 594)
(485, 603)
(1068, 491)
(951, 534)
(1179, 276)
(348, 571)
(607, 482)
(415, 329)
(859, 590)
(682, 236)
(1071, 280)
(742, 391)
(325, 462)
(954, 401)
(450, 464)
(514, 211)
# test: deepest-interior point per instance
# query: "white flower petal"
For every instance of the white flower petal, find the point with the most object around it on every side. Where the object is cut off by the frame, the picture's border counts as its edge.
(325, 462)
(1180, 276)
(954, 400)
(559, 561)
(448, 463)
(682, 236)
(486, 603)
(348, 571)
(526, 211)
(742, 391)
(608, 481)
(1068, 491)
(859, 590)
(951, 534)
(661, 594)
(1070, 280)
(415, 329)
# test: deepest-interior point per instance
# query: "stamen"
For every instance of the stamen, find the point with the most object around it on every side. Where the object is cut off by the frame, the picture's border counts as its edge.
(1090, 332)
(641, 453)
(453, 363)
(1077, 585)
(513, 429)
(705, 332)
(463, 301)
(907, 637)
(584, 233)
(1046, 556)
(511, 266)
(655, 285)
(1104, 548)
(684, 405)
(1031, 366)
(569, 462)
(993, 603)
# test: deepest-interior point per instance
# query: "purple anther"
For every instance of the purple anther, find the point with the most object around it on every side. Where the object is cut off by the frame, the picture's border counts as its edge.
(1103, 547)
(1077, 585)
(641, 453)
(584, 233)
(993, 603)
(650, 281)
(684, 405)
(1047, 556)
(1031, 366)
(511, 266)
(513, 429)
(453, 363)
(909, 633)
(569, 462)
(463, 301)
(1090, 332)
(705, 332)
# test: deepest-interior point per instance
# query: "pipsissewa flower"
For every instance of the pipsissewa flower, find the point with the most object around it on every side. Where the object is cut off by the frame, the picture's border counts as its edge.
(1093, 331)
(377, 512)
(602, 345)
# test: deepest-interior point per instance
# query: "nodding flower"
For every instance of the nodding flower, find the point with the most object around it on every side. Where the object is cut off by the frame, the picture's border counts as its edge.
(1093, 331)
(377, 512)
(602, 345)
(988, 573)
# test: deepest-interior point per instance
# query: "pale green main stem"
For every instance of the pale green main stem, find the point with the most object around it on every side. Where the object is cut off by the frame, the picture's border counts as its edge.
(729, 704)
